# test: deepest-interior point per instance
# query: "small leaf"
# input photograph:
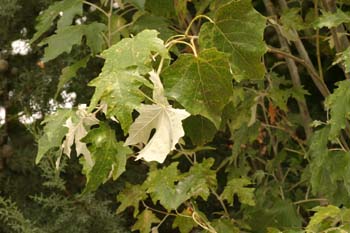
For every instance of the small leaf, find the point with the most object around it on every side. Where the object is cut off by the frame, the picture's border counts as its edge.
(65, 38)
(203, 84)
(237, 186)
(199, 180)
(238, 30)
(76, 131)
(54, 132)
(339, 105)
(321, 216)
(185, 224)
(167, 123)
(330, 19)
(109, 156)
(131, 195)
(161, 187)
(344, 58)
(225, 226)
(144, 222)
(69, 72)
(199, 129)
(67, 9)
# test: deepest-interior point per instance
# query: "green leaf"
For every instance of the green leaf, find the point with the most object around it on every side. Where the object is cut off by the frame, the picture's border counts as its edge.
(338, 103)
(345, 57)
(329, 19)
(291, 19)
(157, 7)
(161, 186)
(67, 37)
(148, 21)
(67, 8)
(109, 156)
(225, 226)
(54, 132)
(199, 129)
(238, 186)
(131, 195)
(140, 4)
(202, 84)
(185, 224)
(144, 222)
(323, 214)
(119, 82)
(69, 72)
(238, 30)
(199, 180)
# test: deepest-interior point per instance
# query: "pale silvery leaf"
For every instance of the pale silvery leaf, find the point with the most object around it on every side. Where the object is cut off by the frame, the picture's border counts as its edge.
(77, 131)
(166, 121)
(158, 89)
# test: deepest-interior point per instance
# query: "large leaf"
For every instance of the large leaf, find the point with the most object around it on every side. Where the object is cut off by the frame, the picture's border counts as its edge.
(67, 37)
(238, 30)
(119, 82)
(202, 84)
(54, 132)
(131, 195)
(238, 186)
(67, 9)
(339, 105)
(167, 123)
(109, 156)
(144, 222)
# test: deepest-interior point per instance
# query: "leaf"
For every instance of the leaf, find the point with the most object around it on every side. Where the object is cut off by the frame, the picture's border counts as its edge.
(203, 84)
(144, 222)
(69, 72)
(291, 19)
(199, 129)
(199, 180)
(148, 21)
(238, 30)
(131, 195)
(109, 156)
(321, 216)
(225, 226)
(54, 132)
(329, 19)
(338, 103)
(160, 185)
(237, 186)
(67, 37)
(67, 8)
(77, 129)
(119, 82)
(140, 4)
(185, 224)
(167, 123)
(345, 57)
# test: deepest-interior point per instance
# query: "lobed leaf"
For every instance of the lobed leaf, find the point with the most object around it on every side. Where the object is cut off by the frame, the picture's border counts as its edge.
(109, 156)
(66, 9)
(238, 30)
(202, 84)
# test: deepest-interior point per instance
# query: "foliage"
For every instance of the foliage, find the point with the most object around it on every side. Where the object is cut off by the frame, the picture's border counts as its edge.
(200, 111)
